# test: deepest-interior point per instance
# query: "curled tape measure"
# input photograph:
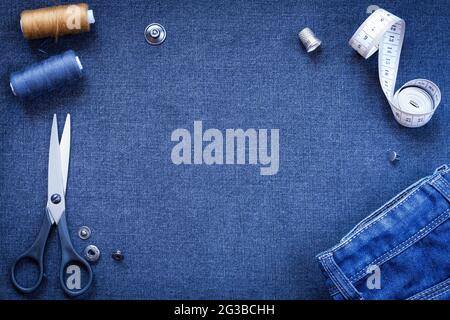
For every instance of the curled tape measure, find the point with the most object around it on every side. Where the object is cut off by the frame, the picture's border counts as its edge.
(415, 102)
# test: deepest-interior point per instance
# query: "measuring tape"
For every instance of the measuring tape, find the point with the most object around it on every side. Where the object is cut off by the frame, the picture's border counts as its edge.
(415, 102)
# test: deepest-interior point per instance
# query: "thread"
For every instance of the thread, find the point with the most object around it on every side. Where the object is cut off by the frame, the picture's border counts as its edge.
(53, 22)
(47, 75)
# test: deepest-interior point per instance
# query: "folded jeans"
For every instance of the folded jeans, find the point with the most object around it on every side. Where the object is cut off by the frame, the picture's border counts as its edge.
(400, 251)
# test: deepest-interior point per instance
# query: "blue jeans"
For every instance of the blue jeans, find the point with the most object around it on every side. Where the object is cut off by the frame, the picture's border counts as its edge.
(401, 251)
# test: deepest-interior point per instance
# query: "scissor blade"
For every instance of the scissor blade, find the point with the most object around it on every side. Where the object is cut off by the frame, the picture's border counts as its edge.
(65, 151)
(55, 181)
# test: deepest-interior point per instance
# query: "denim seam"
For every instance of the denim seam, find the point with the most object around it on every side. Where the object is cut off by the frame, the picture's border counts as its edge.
(436, 292)
(324, 260)
(334, 279)
(442, 189)
(404, 245)
(378, 219)
(432, 292)
(439, 294)
(347, 284)
(343, 284)
(333, 290)
(446, 183)
(400, 203)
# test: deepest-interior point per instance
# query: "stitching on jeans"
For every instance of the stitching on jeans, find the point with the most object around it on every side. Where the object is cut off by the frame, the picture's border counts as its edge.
(404, 245)
(433, 292)
(440, 293)
(334, 279)
(442, 189)
(382, 216)
(347, 285)
(333, 290)
(374, 216)
(445, 192)
(446, 182)
(330, 268)
(379, 218)
(434, 179)
(324, 255)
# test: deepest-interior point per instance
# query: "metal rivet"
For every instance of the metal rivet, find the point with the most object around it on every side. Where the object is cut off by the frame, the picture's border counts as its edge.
(309, 40)
(117, 255)
(155, 34)
(393, 156)
(55, 198)
(84, 232)
(91, 253)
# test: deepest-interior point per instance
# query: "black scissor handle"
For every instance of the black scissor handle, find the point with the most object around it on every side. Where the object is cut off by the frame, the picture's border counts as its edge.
(70, 258)
(34, 254)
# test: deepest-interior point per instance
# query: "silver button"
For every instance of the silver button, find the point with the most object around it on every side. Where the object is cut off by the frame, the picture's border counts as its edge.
(117, 255)
(84, 232)
(91, 253)
(155, 34)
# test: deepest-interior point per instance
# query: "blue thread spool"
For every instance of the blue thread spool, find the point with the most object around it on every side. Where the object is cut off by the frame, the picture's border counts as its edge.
(47, 75)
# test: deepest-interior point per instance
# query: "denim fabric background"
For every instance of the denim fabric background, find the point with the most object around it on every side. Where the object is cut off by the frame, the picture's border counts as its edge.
(215, 231)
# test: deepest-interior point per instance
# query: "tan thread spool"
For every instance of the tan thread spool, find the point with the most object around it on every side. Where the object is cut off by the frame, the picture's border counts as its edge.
(53, 22)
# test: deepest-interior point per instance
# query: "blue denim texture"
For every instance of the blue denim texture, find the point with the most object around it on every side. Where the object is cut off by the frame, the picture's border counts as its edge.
(200, 231)
(408, 239)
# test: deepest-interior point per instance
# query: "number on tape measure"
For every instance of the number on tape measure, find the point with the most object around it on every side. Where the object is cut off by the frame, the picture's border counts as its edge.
(415, 102)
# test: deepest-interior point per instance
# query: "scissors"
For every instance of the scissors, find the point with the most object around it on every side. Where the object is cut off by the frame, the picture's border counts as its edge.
(73, 266)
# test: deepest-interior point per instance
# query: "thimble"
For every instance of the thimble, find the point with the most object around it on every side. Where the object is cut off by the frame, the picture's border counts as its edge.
(309, 40)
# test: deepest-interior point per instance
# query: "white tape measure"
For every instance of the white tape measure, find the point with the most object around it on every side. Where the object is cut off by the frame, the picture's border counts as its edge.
(415, 102)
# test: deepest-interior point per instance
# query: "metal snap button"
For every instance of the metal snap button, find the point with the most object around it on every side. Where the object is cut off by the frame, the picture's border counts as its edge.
(84, 232)
(155, 34)
(117, 255)
(393, 156)
(92, 253)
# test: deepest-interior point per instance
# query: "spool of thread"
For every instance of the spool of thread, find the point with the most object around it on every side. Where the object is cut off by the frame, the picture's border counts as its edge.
(53, 22)
(47, 75)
